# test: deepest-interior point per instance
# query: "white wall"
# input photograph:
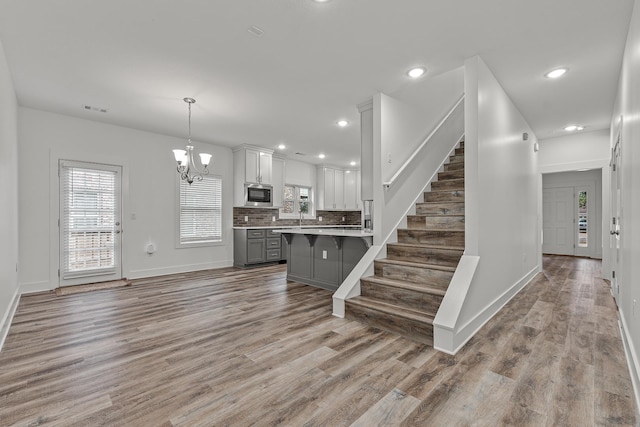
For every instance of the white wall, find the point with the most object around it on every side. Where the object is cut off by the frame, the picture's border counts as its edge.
(628, 275)
(8, 196)
(300, 173)
(149, 191)
(574, 151)
(412, 113)
(502, 226)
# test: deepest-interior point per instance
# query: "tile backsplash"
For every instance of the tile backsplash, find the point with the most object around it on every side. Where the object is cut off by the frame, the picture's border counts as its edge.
(262, 217)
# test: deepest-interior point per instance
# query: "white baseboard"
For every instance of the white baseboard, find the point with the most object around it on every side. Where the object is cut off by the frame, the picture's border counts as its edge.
(163, 271)
(33, 287)
(457, 339)
(8, 317)
(632, 356)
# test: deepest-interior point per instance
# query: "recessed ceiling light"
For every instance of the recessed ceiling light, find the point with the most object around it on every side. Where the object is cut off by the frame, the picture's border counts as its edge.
(416, 72)
(556, 73)
(282, 146)
(342, 123)
(321, 1)
(352, 163)
(571, 128)
(322, 156)
(580, 128)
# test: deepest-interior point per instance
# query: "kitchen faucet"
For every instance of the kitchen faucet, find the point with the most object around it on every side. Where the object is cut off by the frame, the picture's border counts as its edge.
(301, 216)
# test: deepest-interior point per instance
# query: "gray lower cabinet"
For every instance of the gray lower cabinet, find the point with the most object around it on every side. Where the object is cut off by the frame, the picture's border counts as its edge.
(255, 246)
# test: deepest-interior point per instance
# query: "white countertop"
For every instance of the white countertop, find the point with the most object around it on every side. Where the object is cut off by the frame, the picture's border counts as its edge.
(282, 227)
(325, 232)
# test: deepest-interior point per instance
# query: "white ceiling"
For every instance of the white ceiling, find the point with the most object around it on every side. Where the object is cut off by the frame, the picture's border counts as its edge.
(312, 65)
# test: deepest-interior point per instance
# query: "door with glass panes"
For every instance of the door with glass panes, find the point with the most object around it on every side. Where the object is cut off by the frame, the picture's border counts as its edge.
(90, 222)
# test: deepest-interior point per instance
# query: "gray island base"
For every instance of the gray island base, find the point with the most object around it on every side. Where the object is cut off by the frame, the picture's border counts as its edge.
(323, 257)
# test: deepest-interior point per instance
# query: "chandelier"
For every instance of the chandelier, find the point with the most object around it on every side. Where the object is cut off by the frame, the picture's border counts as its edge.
(186, 166)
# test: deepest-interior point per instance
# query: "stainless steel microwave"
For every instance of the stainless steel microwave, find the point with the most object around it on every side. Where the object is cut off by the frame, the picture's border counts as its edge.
(259, 195)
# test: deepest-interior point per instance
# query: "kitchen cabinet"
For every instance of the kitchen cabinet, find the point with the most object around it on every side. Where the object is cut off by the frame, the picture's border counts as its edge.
(252, 165)
(351, 189)
(338, 189)
(258, 166)
(255, 246)
(277, 180)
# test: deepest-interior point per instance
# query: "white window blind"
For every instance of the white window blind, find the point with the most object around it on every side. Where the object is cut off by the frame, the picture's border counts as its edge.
(89, 206)
(201, 211)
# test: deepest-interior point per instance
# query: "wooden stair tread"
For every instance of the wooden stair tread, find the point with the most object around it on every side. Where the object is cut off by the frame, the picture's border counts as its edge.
(438, 215)
(439, 203)
(429, 246)
(422, 288)
(451, 180)
(394, 310)
(416, 264)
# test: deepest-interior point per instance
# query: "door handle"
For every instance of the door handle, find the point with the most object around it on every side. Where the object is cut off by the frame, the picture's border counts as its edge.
(118, 231)
(616, 232)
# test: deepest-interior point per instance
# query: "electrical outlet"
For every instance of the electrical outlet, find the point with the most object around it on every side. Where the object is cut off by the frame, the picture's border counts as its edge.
(342, 219)
(324, 254)
(273, 218)
(246, 218)
(388, 157)
(320, 218)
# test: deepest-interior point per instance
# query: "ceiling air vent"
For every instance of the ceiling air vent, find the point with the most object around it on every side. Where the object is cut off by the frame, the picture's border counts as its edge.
(96, 109)
(300, 154)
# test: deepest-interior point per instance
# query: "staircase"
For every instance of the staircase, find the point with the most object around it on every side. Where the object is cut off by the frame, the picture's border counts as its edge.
(408, 286)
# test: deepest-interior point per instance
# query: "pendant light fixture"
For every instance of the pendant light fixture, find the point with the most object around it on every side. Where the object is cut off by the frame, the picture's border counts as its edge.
(186, 165)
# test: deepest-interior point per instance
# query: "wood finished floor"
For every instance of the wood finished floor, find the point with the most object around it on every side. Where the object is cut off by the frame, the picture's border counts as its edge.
(244, 347)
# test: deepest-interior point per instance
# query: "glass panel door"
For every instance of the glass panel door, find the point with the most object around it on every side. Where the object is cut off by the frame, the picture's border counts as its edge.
(90, 239)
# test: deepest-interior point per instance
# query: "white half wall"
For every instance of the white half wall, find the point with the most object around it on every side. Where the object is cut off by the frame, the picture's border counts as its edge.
(9, 197)
(627, 106)
(502, 225)
(149, 195)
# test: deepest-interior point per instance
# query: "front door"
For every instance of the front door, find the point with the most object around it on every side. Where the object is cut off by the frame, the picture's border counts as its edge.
(90, 216)
(616, 178)
(558, 221)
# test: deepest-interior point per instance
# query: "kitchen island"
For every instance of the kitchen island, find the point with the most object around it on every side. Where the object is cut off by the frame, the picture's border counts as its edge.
(323, 257)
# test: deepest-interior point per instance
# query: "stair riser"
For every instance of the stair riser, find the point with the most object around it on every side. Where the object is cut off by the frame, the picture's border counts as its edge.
(447, 185)
(455, 174)
(456, 159)
(433, 237)
(444, 196)
(460, 151)
(413, 330)
(454, 166)
(427, 303)
(442, 222)
(445, 257)
(444, 208)
(435, 278)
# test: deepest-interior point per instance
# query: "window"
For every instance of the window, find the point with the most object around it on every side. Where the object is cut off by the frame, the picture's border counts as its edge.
(297, 199)
(200, 212)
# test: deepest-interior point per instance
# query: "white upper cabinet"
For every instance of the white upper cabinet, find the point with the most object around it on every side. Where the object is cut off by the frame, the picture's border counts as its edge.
(351, 189)
(338, 189)
(277, 180)
(258, 166)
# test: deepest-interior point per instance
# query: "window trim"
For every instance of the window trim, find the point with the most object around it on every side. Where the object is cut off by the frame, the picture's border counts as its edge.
(296, 212)
(204, 243)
